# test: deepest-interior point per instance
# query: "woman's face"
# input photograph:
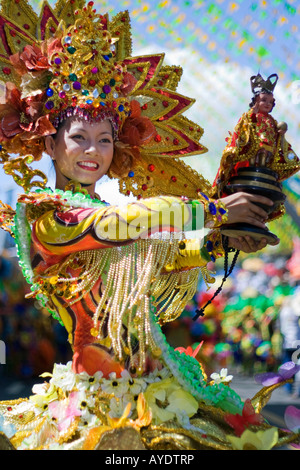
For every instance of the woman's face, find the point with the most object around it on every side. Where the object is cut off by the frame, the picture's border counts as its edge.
(82, 151)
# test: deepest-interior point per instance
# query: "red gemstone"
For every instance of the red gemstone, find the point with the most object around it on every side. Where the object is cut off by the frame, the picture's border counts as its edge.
(165, 104)
(157, 138)
(144, 187)
(26, 26)
(174, 179)
(151, 167)
(6, 70)
(175, 141)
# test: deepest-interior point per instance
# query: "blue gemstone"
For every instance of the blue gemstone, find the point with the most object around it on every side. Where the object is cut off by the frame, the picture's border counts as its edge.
(106, 57)
(131, 174)
(0, 148)
(121, 107)
(209, 246)
(49, 105)
(204, 195)
(222, 211)
(212, 208)
(49, 92)
(89, 101)
(212, 258)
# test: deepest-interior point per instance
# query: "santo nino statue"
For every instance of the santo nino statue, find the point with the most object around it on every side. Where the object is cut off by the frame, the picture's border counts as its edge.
(257, 157)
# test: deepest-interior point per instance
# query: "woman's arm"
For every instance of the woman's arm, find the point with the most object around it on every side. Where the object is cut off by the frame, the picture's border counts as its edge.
(71, 230)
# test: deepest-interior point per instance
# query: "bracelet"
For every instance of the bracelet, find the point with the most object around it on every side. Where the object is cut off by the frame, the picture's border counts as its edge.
(216, 212)
(214, 245)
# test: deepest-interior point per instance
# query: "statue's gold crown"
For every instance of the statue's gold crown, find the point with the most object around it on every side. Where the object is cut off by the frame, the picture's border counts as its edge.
(258, 84)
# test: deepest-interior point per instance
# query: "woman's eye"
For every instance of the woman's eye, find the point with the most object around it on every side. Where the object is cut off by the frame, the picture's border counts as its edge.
(77, 136)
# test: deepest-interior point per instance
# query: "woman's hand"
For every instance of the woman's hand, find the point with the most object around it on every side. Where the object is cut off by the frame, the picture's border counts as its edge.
(242, 209)
(247, 244)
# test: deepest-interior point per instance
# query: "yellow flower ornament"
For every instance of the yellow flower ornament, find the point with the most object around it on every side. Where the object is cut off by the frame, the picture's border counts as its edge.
(168, 400)
(260, 440)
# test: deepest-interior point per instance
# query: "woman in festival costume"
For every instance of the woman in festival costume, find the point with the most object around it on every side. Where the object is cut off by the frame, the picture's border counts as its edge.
(113, 275)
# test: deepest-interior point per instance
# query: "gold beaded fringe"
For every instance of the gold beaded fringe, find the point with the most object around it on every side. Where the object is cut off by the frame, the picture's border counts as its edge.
(135, 281)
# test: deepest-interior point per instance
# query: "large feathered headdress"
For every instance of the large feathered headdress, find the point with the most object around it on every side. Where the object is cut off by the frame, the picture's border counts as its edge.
(70, 60)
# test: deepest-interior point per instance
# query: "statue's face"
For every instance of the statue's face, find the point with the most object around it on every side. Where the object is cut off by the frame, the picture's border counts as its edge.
(264, 103)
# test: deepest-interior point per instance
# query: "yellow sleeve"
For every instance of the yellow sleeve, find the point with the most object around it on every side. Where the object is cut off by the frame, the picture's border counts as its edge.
(84, 228)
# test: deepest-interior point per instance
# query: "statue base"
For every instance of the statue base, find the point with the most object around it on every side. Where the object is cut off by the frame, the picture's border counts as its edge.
(262, 182)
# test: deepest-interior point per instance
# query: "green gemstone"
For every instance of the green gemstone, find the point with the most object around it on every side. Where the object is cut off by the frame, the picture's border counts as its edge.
(73, 77)
(102, 95)
(71, 49)
(85, 92)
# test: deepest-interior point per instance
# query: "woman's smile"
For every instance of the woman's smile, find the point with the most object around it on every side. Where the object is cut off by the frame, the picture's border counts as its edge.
(82, 152)
(88, 165)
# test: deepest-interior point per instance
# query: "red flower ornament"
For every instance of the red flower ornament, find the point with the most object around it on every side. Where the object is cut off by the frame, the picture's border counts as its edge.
(137, 130)
(248, 417)
(31, 59)
(22, 116)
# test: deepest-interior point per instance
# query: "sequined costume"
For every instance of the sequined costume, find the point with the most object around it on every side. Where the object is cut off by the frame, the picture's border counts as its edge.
(113, 275)
(82, 244)
(253, 132)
